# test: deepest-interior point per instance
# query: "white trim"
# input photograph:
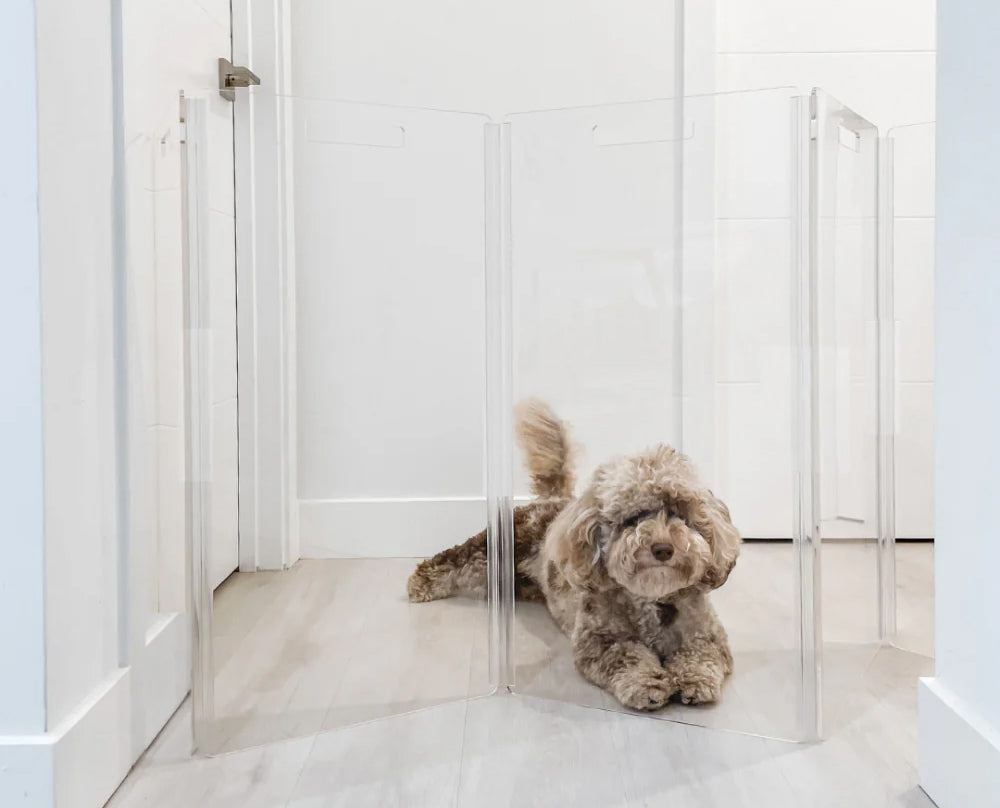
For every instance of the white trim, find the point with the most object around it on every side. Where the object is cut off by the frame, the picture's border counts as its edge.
(959, 750)
(81, 762)
(244, 148)
(286, 123)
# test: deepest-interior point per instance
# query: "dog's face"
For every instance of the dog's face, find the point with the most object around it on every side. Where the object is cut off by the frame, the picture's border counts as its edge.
(646, 524)
(654, 553)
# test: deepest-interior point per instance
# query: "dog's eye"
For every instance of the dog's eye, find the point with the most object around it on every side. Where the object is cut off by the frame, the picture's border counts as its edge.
(635, 519)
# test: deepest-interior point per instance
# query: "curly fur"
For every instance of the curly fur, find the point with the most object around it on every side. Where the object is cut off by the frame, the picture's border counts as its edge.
(625, 568)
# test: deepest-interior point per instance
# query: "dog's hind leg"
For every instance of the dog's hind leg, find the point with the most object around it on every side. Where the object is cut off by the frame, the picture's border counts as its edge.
(458, 570)
(462, 570)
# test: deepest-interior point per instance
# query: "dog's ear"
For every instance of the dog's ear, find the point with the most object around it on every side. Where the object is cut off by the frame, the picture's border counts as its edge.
(574, 540)
(711, 518)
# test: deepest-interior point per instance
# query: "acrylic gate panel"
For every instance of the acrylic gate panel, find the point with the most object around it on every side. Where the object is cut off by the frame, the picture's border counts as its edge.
(387, 210)
(847, 254)
(198, 455)
(637, 232)
(155, 414)
(853, 366)
(381, 221)
(909, 250)
(748, 274)
(911, 187)
(593, 215)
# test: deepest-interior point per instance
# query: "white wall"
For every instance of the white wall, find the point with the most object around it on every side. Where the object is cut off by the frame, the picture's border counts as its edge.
(75, 141)
(62, 286)
(483, 56)
(389, 236)
(22, 634)
(85, 693)
(480, 56)
(878, 58)
(960, 705)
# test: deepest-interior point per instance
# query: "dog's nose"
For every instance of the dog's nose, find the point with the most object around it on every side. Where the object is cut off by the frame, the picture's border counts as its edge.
(662, 552)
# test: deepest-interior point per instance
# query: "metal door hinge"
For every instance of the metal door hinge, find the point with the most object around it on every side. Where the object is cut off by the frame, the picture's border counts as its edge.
(232, 76)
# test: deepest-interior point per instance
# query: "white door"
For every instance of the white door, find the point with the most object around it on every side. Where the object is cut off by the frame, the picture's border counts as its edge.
(170, 48)
(221, 253)
(167, 48)
(214, 28)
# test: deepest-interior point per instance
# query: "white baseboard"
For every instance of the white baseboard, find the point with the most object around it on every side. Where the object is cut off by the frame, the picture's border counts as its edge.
(81, 762)
(959, 751)
(388, 528)
(166, 675)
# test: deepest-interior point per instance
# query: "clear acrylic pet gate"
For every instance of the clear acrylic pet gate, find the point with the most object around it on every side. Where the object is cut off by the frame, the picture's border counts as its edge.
(706, 274)
(656, 271)
(665, 289)
(378, 217)
(908, 216)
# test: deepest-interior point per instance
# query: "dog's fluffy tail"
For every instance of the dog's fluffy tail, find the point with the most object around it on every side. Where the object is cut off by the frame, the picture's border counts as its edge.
(544, 438)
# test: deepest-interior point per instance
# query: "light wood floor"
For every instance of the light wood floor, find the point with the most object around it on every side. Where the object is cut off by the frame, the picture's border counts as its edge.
(308, 658)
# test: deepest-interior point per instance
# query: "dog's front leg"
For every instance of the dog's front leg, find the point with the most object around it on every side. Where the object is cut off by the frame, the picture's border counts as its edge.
(699, 667)
(627, 669)
(620, 664)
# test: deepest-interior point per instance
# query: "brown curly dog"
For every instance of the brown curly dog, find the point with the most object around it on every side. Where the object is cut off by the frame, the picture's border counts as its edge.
(625, 568)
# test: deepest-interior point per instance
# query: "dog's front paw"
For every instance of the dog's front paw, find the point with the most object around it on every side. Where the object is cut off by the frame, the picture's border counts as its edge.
(700, 689)
(644, 689)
